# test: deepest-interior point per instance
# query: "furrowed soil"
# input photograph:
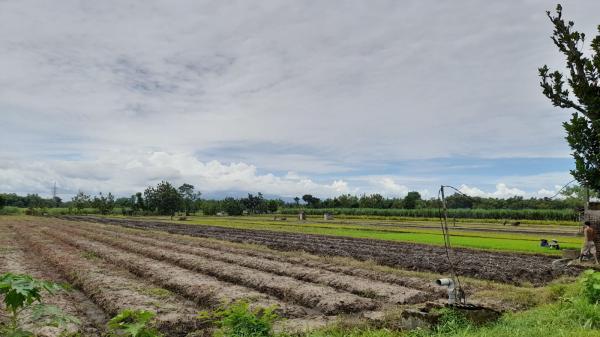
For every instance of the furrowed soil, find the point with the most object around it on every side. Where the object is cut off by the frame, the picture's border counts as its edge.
(111, 288)
(389, 293)
(18, 260)
(118, 267)
(513, 268)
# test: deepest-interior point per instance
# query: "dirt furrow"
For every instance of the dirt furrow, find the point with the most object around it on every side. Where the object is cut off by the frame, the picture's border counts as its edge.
(205, 290)
(112, 289)
(503, 267)
(323, 298)
(405, 281)
(390, 293)
(16, 259)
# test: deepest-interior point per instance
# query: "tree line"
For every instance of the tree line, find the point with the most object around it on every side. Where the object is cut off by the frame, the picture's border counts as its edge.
(572, 198)
(166, 199)
(162, 199)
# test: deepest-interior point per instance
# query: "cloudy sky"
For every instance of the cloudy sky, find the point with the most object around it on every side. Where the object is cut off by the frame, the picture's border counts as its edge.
(283, 97)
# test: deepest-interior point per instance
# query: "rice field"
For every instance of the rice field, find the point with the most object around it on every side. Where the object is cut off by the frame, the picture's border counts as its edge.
(488, 236)
(513, 214)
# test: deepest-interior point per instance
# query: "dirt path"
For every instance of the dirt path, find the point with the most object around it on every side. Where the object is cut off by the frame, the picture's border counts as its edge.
(503, 267)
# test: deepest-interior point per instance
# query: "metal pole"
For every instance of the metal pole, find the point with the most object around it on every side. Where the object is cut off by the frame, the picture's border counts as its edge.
(447, 240)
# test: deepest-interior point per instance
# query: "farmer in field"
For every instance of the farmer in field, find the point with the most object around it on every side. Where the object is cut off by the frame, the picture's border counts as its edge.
(589, 247)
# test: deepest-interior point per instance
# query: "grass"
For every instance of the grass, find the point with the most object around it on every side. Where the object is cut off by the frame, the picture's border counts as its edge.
(158, 292)
(90, 255)
(496, 241)
(10, 210)
(533, 214)
(467, 237)
(459, 220)
(499, 240)
(569, 315)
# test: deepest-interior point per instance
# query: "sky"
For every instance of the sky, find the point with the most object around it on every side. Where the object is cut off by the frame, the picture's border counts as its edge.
(282, 97)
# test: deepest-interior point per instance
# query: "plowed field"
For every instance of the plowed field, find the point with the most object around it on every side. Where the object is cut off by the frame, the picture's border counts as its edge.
(513, 268)
(113, 268)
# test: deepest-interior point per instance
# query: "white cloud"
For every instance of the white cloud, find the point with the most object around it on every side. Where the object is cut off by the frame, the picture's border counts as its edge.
(389, 187)
(473, 191)
(125, 173)
(359, 82)
(544, 193)
(504, 191)
(118, 94)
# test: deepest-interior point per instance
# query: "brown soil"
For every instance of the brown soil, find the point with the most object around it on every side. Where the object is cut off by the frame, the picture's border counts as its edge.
(269, 254)
(128, 266)
(323, 298)
(390, 293)
(206, 291)
(503, 267)
(16, 259)
(111, 288)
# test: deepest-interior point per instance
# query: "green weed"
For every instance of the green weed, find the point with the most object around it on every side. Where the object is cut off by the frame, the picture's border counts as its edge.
(22, 297)
(133, 323)
(239, 320)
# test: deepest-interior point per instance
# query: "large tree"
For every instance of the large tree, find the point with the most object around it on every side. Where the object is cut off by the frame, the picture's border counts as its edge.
(81, 201)
(310, 200)
(104, 204)
(189, 197)
(163, 199)
(411, 200)
(232, 206)
(254, 204)
(583, 129)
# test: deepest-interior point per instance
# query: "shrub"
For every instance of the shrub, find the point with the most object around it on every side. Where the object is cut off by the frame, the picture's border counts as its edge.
(591, 285)
(10, 210)
(451, 321)
(133, 323)
(238, 320)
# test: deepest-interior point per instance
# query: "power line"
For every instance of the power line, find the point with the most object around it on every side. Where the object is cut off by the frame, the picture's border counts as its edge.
(562, 188)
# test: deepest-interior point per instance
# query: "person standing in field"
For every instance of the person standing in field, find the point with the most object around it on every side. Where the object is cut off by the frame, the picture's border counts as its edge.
(589, 247)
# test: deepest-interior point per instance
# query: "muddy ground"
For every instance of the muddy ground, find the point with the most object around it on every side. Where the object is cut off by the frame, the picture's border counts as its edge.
(511, 268)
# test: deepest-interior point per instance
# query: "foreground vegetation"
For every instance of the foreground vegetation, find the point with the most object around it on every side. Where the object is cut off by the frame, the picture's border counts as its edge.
(574, 312)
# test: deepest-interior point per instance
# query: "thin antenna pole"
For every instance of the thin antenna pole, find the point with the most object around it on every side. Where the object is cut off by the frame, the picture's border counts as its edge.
(458, 291)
